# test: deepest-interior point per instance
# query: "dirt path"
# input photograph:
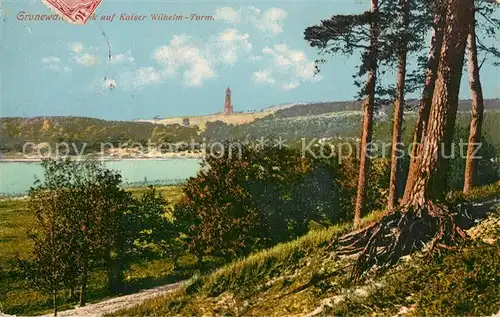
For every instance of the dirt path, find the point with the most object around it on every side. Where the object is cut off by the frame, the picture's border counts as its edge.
(117, 303)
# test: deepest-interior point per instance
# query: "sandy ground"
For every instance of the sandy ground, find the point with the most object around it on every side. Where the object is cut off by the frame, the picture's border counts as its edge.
(236, 118)
(114, 304)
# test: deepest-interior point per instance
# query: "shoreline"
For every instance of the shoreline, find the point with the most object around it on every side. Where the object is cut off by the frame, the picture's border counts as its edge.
(126, 186)
(14, 159)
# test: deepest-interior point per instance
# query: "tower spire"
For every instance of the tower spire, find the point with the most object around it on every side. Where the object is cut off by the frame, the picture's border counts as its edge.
(228, 106)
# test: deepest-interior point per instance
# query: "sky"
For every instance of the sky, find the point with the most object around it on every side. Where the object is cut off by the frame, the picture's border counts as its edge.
(174, 68)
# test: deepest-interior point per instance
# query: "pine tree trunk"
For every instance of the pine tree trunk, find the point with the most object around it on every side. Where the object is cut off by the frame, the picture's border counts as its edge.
(421, 220)
(366, 136)
(427, 93)
(398, 108)
(429, 180)
(476, 120)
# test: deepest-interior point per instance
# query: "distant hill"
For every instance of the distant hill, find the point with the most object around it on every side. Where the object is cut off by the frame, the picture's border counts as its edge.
(275, 108)
(312, 109)
(15, 132)
(290, 110)
(338, 120)
(291, 121)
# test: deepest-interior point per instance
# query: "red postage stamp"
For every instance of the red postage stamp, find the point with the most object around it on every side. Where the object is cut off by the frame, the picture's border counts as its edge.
(74, 11)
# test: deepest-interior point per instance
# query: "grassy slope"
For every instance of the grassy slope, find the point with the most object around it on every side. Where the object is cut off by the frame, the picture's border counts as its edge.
(17, 298)
(298, 277)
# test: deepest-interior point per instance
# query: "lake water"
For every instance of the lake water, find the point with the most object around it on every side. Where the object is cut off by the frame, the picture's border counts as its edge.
(17, 177)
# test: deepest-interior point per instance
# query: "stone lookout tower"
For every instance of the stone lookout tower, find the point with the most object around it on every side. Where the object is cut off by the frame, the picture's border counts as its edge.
(228, 106)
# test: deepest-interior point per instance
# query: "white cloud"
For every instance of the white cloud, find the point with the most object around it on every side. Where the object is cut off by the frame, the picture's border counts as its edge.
(85, 59)
(287, 66)
(255, 58)
(197, 62)
(184, 55)
(83, 55)
(52, 67)
(228, 46)
(228, 14)
(122, 58)
(87, 55)
(140, 78)
(270, 21)
(145, 76)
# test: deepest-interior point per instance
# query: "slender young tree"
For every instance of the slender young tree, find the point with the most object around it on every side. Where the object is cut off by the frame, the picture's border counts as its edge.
(377, 35)
(399, 104)
(96, 216)
(476, 120)
(368, 105)
(51, 265)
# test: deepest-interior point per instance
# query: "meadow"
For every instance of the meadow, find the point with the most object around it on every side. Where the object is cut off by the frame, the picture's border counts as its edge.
(17, 298)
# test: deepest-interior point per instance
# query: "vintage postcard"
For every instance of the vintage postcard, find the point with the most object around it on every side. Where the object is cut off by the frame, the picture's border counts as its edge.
(249, 158)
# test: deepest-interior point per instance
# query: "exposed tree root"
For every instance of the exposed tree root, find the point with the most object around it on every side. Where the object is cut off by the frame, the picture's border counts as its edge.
(401, 233)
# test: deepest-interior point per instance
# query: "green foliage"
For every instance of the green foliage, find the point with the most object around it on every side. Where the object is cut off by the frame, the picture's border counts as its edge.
(151, 211)
(237, 204)
(476, 194)
(52, 266)
(488, 171)
(148, 267)
(271, 282)
(94, 219)
(378, 180)
(99, 222)
(346, 124)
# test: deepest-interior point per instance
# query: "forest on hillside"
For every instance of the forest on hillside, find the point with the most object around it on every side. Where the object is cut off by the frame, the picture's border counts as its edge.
(342, 125)
(338, 106)
(315, 120)
(15, 132)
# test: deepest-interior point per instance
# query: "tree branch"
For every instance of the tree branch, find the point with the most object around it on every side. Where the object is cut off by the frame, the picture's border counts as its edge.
(484, 59)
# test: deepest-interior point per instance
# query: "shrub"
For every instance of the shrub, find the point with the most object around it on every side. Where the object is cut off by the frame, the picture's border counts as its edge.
(487, 169)
(236, 205)
(378, 184)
